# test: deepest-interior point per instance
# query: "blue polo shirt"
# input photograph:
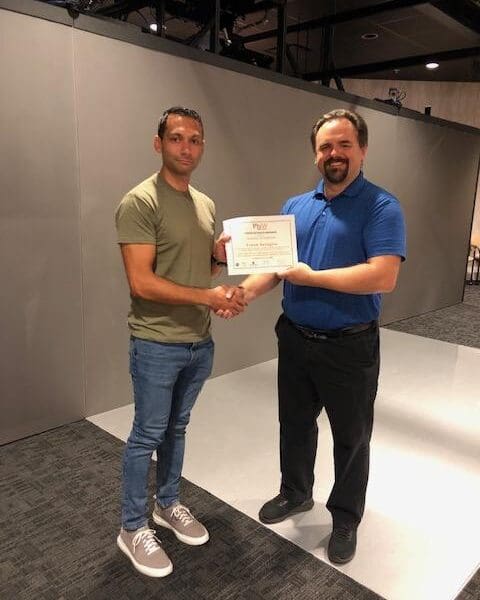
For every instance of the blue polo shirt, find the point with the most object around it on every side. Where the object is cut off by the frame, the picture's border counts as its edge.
(362, 222)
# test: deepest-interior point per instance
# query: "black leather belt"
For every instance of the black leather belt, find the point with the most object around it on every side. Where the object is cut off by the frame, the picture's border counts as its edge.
(323, 334)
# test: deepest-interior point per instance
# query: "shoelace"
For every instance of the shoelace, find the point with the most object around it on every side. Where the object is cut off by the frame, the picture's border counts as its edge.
(149, 540)
(182, 514)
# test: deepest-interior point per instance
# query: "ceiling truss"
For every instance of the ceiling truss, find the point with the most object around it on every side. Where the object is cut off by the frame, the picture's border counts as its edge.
(216, 19)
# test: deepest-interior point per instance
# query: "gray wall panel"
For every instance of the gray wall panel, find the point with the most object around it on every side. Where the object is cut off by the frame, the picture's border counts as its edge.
(432, 170)
(41, 371)
(257, 154)
(435, 179)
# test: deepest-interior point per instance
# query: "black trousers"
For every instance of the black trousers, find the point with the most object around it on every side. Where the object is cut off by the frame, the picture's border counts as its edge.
(340, 374)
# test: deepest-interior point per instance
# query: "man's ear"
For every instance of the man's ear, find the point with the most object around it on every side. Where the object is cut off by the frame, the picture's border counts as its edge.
(157, 144)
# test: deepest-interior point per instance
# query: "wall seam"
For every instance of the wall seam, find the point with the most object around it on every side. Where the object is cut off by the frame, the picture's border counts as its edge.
(79, 220)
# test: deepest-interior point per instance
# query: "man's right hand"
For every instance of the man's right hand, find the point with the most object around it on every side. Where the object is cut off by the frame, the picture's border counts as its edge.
(227, 298)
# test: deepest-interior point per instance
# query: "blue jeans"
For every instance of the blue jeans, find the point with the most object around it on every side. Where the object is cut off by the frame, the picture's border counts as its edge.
(167, 379)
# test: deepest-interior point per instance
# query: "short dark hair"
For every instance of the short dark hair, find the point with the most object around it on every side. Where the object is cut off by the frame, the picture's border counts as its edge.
(355, 119)
(177, 110)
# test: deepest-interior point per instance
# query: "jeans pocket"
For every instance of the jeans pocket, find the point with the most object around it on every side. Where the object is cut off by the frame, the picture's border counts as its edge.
(209, 351)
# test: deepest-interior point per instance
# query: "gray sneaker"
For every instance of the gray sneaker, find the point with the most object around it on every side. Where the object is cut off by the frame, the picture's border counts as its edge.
(143, 548)
(183, 524)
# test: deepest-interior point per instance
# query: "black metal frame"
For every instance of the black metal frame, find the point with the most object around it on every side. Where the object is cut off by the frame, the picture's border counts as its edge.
(334, 19)
(160, 17)
(464, 11)
(473, 266)
(126, 32)
(281, 36)
(385, 65)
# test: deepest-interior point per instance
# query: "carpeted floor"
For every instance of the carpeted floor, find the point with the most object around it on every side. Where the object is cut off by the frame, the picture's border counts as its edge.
(59, 517)
(458, 324)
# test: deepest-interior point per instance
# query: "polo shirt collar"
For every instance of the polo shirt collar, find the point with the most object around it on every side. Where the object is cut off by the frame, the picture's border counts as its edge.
(352, 190)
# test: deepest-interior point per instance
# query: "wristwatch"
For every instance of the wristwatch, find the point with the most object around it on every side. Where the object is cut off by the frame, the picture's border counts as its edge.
(220, 263)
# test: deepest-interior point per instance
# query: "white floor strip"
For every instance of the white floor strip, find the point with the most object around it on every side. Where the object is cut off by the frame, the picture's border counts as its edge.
(419, 537)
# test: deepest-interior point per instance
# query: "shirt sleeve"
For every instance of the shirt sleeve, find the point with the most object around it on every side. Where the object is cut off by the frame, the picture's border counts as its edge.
(285, 210)
(135, 221)
(384, 232)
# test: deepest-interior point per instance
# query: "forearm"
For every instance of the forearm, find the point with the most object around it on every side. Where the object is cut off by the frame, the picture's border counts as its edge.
(162, 290)
(257, 285)
(358, 279)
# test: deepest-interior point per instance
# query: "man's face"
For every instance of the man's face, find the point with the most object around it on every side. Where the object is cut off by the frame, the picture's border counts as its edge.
(337, 153)
(181, 146)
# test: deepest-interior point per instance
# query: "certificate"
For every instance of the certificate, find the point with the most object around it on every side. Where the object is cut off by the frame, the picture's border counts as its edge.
(264, 244)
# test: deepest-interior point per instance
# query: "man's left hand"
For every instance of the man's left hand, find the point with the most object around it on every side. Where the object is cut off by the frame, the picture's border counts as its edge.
(219, 252)
(300, 274)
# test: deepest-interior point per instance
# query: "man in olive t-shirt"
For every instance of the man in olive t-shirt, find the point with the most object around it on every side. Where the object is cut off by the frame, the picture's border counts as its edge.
(166, 233)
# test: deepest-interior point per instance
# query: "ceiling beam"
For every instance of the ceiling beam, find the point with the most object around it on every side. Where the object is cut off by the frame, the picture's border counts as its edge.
(215, 28)
(160, 17)
(282, 37)
(266, 5)
(466, 13)
(175, 8)
(121, 8)
(398, 63)
(333, 19)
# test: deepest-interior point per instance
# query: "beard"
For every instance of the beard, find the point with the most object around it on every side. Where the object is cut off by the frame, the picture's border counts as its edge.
(336, 174)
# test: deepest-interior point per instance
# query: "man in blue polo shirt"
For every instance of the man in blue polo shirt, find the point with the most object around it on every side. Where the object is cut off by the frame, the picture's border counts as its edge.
(351, 241)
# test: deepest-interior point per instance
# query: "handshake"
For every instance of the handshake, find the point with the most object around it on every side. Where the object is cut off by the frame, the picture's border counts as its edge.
(227, 301)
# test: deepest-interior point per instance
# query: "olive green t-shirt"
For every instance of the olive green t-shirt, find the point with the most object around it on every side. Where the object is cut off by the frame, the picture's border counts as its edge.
(181, 225)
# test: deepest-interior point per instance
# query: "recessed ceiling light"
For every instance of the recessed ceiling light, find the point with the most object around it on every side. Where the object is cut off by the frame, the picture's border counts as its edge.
(432, 65)
(153, 27)
(369, 36)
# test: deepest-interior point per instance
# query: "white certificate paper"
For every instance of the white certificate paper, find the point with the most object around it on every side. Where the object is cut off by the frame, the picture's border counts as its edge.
(265, 244)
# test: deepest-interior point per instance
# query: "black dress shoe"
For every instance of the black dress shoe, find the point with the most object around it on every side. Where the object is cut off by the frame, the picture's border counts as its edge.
(279, 508)
(342, 545)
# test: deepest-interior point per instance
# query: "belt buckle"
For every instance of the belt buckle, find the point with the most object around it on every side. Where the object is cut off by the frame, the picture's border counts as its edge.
(313, 335)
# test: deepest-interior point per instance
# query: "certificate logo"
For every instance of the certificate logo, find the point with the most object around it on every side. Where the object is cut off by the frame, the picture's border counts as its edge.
(259, 226)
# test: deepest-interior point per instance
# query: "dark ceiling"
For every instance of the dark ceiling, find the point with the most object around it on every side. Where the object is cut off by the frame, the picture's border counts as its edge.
(324, 40)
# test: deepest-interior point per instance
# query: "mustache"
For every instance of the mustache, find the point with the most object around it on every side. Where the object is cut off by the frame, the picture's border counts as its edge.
(332, 160)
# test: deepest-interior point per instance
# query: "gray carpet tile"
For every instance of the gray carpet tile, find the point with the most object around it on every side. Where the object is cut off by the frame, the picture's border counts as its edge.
(458, 324)
(472, 295)
(59, 517)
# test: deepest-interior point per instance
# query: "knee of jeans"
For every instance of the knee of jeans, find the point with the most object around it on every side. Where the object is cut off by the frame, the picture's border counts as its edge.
(180, 426)
(148, 436)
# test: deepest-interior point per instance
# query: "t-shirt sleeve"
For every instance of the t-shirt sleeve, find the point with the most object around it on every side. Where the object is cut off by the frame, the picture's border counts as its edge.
(134, 220)
(384, 233)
